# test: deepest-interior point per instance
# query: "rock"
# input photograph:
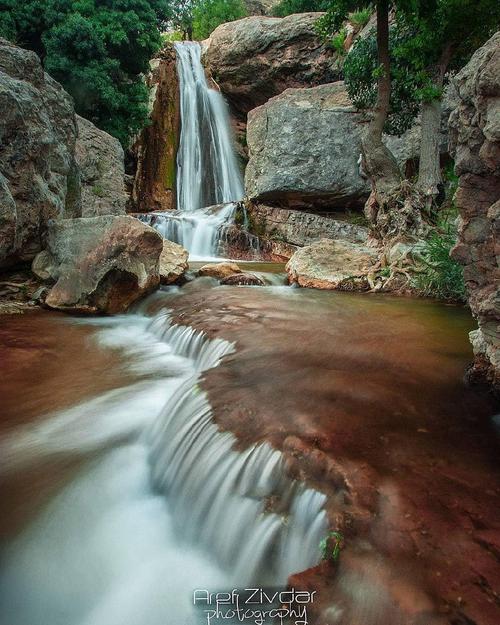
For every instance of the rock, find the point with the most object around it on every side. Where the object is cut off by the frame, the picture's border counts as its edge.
(220, 270)
(100, 160)
(156, 147)
(43, 266)
(304, 147)
(102, 264)
(330, 264)
(260, 7)
(256, 58)
(243, 279)
(173, 262)
(39, 178)
(475, 139)
(299, 228)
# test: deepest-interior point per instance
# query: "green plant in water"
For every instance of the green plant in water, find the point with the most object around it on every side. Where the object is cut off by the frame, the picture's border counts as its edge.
(331, 545)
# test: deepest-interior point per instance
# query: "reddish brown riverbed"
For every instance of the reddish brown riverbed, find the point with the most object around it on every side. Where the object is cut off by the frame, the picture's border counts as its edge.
(365, 395)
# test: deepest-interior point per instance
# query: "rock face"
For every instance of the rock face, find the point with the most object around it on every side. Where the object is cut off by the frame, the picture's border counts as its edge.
(173, 262)
(156, 147)
(304, 147)
(100, 160)
(301, 228)
(38, 173)
(100, 264)
(260, 7)
(255, 58)
(475, 136)
(331, 264)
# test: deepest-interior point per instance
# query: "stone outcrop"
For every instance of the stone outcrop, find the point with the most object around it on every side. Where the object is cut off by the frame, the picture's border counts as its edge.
(304, 147)
(173, 262)
(299, 228)
(99, 264)
(475, 136)
(38, 173)
(156, 147)
(329, 264)
(256, 58)
(100, 161)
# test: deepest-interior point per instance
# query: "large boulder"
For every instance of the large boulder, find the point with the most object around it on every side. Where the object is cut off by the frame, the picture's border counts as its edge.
(475, 137)
(38, 174)
(100, 160)
(100, 264)
(304, 147)
(255, 58)
(329, 264)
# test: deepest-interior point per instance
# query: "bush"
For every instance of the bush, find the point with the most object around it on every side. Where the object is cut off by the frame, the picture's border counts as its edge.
(338, 42)
(208, 14)
(288, 7)
(442, 277)
(360, 18)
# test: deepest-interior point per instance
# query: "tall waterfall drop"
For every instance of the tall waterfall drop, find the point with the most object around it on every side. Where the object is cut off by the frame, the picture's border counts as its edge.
(207, 170)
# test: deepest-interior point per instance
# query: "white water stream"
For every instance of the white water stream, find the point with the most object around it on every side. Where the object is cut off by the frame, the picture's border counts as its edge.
(207, 170)
(162, 504)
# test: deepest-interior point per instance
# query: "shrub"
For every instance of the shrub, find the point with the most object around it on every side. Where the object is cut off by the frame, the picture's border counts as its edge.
(441, 276)
(360, 18)
(338, 41)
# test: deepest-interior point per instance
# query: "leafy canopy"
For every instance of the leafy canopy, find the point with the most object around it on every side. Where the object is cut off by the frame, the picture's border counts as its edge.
(208, 14)
(97, 49)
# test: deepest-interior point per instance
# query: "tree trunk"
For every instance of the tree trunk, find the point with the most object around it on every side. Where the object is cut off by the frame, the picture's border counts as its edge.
(429, 170)
(379, 162)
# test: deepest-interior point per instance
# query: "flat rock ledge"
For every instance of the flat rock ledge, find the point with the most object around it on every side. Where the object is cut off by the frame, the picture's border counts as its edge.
(334, 265)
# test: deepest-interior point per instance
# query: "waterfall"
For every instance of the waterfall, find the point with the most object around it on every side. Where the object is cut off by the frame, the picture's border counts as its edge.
(207, 171)
(165, 502)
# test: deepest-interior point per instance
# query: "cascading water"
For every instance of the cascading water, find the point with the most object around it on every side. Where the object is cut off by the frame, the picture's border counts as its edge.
(163, 503)
(207, 171)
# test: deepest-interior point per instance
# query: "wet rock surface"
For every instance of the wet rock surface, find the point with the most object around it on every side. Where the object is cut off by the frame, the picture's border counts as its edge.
(475, 125)
(364, 395)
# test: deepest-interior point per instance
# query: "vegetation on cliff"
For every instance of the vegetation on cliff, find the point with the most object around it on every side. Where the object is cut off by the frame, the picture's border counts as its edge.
(197, 19)
(97, 50)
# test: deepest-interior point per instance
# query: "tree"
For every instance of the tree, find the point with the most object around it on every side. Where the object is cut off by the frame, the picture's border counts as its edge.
(379, 163)
(436, 43)
(288, 7)
(208, 14)
(97, 49)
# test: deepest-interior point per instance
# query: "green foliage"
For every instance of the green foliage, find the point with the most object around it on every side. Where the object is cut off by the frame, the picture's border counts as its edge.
(97, 49)
(442, 277)
(360, 18)
(208, 14)
(288, 7)
(361, 71)
(331, 545)
(338, 42)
